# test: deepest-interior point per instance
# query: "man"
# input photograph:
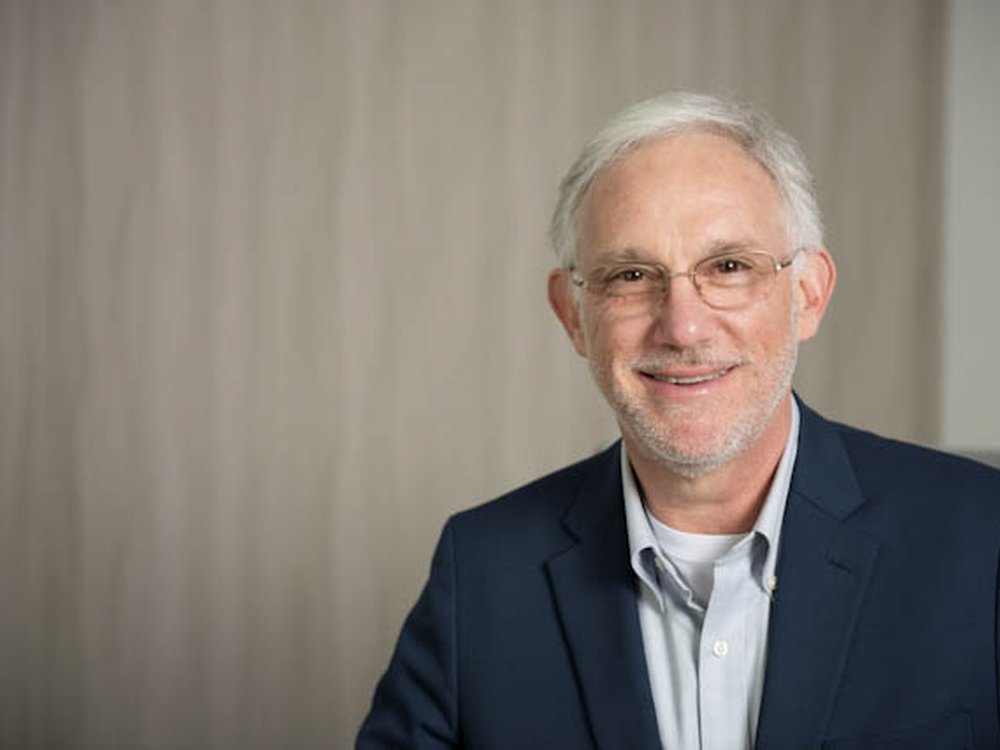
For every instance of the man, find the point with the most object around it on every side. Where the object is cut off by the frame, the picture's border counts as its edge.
(736, 572)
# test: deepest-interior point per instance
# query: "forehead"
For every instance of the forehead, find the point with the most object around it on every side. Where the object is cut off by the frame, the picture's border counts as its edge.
(698, 188)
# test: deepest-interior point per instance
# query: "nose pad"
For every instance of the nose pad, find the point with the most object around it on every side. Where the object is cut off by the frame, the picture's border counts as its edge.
(672, 276)
(694, 282)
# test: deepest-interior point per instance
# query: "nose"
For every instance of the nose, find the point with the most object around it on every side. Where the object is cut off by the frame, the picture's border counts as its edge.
(682, 318)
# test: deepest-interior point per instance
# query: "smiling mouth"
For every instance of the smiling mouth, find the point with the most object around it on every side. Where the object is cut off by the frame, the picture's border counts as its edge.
(693, 379)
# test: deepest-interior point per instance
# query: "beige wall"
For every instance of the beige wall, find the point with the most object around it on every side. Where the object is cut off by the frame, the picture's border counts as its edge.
(970, 413)
(271, 307)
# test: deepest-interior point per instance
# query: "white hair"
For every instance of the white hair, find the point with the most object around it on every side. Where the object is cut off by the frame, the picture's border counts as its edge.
(680, 112)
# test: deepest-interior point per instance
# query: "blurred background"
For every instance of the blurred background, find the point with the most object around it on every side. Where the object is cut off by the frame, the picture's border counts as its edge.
(272, 307)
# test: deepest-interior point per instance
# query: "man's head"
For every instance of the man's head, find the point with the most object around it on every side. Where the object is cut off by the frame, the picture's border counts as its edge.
(681, 112)
(696, 367)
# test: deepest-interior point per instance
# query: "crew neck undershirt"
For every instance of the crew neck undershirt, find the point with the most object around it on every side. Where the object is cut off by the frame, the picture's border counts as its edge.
(694, 555)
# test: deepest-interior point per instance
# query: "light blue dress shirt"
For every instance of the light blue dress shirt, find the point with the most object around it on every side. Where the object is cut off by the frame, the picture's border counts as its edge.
(704, 604)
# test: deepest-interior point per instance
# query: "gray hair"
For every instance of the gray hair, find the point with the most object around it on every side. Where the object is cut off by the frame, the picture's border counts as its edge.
(679, 112)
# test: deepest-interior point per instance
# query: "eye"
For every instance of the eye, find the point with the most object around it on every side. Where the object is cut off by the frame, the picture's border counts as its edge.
(729, 265)
(732, 270)
(629, 281)
(630, 275)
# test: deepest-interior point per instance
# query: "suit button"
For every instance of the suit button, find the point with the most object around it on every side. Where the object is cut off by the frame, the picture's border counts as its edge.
(720, 648)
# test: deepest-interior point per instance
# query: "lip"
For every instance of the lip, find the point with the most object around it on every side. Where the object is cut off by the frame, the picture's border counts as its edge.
(686, 373)
(687, 382)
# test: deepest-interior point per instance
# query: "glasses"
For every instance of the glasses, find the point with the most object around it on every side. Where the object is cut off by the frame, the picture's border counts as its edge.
(727, 281)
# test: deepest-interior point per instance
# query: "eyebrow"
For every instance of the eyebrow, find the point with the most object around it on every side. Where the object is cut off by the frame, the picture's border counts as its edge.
(633, 255)
(628, 255)
(728, 246)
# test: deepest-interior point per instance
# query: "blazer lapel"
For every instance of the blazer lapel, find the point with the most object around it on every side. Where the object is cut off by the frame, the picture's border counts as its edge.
(592, 583)
(823, 571)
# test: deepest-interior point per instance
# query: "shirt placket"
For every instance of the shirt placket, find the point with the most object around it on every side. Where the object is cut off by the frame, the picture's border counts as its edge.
(723, 659)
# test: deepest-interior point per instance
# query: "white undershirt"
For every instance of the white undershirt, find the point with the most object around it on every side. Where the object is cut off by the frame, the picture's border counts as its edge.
(694, 555)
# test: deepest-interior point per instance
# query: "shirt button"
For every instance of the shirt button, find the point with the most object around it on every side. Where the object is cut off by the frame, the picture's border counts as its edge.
(772, 583)
(660, 565)
(720, 648)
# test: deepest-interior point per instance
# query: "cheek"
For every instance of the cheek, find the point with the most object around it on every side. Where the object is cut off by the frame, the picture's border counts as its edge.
(594, 332)
(767, 328)
(608, 341)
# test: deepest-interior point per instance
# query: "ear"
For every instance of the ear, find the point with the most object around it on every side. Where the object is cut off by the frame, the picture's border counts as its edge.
(815, 287)
(566, 306)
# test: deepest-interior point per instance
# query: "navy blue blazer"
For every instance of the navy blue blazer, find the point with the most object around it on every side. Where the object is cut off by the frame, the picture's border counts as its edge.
(883, 633)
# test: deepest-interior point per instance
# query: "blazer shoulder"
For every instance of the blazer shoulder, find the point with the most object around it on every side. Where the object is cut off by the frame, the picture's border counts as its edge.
(535, 510)
(912, 457)
(883, 464)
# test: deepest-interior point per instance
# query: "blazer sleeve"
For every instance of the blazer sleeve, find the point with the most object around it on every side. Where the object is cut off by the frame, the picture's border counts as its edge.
(415, 703)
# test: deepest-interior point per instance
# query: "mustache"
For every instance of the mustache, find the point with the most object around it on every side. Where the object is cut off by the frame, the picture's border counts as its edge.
(666, 361)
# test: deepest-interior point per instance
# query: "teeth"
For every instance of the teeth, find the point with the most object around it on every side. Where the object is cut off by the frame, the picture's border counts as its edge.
(689, 381)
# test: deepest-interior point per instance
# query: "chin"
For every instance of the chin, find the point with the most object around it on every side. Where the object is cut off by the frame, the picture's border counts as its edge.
(687, 457)
(693, 442)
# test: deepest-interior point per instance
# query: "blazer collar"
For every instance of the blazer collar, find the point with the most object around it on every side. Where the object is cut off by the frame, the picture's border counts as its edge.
(595, 597)
(823, 472)
(600, 497)
(824, 565)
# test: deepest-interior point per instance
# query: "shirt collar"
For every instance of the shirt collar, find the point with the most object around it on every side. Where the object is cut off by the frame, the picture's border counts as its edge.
(644, 549)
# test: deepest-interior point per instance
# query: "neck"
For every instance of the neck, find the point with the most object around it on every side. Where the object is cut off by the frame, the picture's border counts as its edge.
(726, 500)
